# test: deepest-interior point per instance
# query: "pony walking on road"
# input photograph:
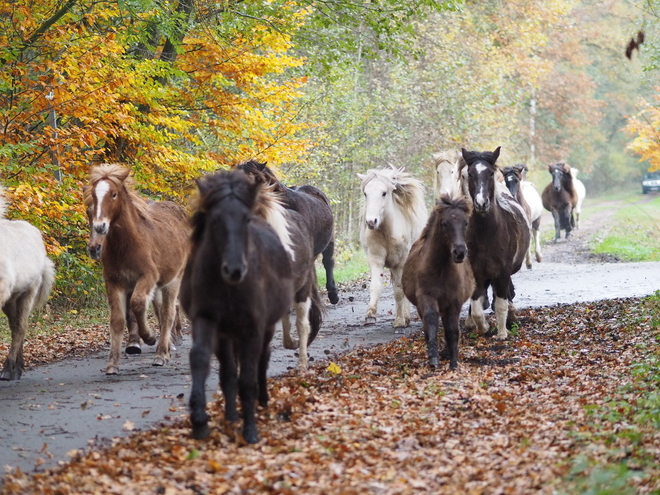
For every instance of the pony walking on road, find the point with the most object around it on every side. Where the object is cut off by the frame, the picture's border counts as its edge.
(526, 194)
(393, 216)
(143, 254)
(237, 285)
(498, 239)
(26, 278)
(560, 198)
(437, 277)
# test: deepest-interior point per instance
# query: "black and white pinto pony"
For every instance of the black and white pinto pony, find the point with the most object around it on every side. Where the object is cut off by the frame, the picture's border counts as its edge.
(437, 277)
(393, 216)
(527, 195)
(497, 237)
(26, 278)
(237, 284)
(310, 226)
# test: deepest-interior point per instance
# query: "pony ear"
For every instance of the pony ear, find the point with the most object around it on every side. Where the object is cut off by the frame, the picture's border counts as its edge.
(550, 167)
(202, 185)
(496, 153)
(123, 174)
(361, 176)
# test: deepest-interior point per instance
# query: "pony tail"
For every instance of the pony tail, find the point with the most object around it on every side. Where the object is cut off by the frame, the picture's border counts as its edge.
(3, 202)
(315, 314)
(47, 281)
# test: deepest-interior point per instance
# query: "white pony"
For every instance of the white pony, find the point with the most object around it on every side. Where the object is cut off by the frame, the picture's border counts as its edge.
(393, 216)
(447, 178)
(26, 278)
(581, 193)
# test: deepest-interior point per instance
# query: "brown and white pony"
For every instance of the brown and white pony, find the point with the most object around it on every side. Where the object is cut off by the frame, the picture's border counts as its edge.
(560, 198)
(143, 255)
(437, 277)
(498, 239)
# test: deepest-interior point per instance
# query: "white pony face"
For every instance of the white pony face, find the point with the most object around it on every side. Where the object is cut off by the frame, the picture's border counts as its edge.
(449, 178)
(377, 195)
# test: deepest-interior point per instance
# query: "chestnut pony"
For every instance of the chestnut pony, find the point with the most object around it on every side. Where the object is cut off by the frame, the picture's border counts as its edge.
(144, 250)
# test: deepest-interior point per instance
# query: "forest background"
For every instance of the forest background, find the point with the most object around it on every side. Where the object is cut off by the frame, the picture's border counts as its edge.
(320, 90)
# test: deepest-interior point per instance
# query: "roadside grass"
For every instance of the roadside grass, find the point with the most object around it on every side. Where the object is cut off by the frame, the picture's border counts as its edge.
(635, 232)
(350, 266)
(48, 322)
(618, 451)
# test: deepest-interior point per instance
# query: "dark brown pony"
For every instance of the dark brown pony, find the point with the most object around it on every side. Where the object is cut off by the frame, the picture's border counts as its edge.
(314, 206)
(143, 249)
(237, 284)
(497, 238)
(560, 198)
(437, 277)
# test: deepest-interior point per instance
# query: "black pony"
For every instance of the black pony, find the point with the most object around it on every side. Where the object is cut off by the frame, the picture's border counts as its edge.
(561, 198)
(236, 286)
(314, 207)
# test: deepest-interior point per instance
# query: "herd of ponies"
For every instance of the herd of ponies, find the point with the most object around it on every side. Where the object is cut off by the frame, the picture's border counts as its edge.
(244, 260)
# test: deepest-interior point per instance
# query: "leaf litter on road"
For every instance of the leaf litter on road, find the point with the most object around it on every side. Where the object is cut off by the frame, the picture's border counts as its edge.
(513, 419)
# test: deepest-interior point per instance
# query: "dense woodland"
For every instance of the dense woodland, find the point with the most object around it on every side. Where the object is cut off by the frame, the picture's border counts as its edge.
(320, 90)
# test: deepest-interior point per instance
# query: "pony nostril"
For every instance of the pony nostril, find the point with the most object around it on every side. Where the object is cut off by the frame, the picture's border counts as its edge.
(101, 228)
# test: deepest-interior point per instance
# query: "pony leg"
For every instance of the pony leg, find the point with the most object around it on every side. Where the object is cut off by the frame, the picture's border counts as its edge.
(200, 365)
(402, 319)
(477, 311)
(228, 378)
(250, 352)
(287, 339)
(428, 309)
(537, 244)
(528, 254)
(117, 303)
(375, 288)
(501, 311)
(302, 326)
(167, 313)
(555, 216)
(18, 311)
(452, 334)
(263, 369)
(328, 257)
(133, 346)
(142, 294)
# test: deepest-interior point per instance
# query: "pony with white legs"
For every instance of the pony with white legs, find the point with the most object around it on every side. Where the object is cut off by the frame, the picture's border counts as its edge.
(26, 278)
(530, 199)
(581, 194)
(393, 216)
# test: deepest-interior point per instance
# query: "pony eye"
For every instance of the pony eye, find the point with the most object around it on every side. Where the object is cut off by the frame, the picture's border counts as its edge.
(114, 196)
(384, 194)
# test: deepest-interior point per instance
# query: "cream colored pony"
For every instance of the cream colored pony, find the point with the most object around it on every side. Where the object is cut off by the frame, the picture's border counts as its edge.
(393, 216)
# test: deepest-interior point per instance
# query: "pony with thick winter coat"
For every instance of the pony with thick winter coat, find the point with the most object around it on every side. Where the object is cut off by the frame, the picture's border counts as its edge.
(560, 197)
(437, 277)
(26, 278)
(447, 178)
(528, 197)
(144, 250)
(497, 238)
(237, 285)
(310, 224)
(314, 207)
(393, 216)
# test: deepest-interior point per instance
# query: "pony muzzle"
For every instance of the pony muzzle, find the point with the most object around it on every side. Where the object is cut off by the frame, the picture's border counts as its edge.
(233, 273)
(459, 253)
(372, 224)
(94, 251)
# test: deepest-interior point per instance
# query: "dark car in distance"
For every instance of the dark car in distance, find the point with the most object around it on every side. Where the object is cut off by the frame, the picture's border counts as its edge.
(651, 182)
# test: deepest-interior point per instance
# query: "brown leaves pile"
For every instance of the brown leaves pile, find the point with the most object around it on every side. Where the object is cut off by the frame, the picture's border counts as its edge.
(509, 421)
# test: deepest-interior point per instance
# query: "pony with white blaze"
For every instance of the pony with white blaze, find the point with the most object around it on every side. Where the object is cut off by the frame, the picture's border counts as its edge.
(393, 216)
(26, 278)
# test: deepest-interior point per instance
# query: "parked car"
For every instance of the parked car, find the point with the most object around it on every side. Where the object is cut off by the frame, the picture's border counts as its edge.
(651, 182)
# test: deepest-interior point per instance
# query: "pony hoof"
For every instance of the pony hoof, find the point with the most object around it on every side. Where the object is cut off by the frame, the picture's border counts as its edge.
(370, 320)
(159, 361)
(399, 330)
(433, 362)
(133, 349)
(200, 432)
(151, 340)
(7, 375)
(502, 336)
(291, 344)
(111, 370)
(453, 366)
(334, 297)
